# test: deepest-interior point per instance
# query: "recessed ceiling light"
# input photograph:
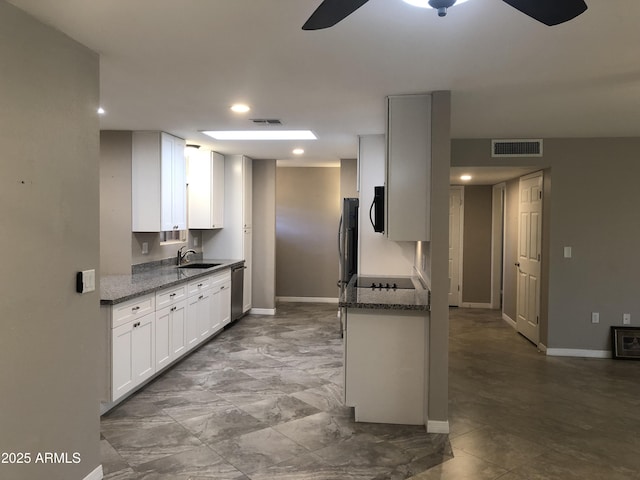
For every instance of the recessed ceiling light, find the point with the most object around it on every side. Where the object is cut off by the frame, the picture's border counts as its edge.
(298, 151)
(101, 111)
(261, 134)
(240, 108)
(465, 178)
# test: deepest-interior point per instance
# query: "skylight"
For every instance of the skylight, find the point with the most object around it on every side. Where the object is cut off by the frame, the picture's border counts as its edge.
(261, 134)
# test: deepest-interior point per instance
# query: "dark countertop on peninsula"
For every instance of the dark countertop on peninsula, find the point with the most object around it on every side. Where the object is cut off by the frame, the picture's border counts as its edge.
(383, 299)
(119, 288)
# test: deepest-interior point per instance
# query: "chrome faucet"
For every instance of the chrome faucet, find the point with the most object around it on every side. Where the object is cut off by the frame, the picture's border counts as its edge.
(183, 256)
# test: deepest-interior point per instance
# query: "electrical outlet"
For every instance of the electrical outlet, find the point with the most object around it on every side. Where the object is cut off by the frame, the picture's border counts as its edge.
(626, 318)
(145, 248)
(595, 317)
(195, 241)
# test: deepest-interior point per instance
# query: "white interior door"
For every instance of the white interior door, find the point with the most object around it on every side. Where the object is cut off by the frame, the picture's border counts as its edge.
(455, 245)
(529, 256)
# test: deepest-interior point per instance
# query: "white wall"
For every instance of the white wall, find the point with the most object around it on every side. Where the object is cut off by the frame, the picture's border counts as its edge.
(377, 254)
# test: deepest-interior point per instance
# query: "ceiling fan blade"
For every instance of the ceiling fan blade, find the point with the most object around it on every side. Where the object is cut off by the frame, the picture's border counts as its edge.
(549, 12)
(331, 12)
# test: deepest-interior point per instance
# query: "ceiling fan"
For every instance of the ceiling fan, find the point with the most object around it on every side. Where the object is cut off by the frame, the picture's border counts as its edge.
(549, 12)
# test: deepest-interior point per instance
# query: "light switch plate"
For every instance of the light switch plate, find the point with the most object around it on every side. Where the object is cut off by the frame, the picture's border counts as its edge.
(626, 318)
(567, 252)
(86, 281)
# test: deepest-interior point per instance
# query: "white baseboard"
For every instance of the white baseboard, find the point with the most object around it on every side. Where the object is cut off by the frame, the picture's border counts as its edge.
(308, 299)
(476, 305)
(509, 320)
(437, 426)
(96, 474)
(262, 311)
(576, 352)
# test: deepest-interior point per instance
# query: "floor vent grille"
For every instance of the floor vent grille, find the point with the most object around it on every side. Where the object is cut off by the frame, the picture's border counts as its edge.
(516, 148)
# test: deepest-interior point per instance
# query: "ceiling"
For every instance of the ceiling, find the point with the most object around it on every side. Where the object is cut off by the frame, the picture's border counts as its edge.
(178, 65)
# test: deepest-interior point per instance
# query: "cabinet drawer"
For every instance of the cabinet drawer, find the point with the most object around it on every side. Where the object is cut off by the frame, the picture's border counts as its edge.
(220, 278)
(132, 309)
(198, 285)
(170, 295)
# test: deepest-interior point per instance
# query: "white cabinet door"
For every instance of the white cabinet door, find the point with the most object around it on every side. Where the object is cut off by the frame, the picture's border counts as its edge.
(122, 360)
(206, 190)
(205, 312)
(143, 354)
(247, 191)
(133, 354)
(217, 194)
(216, 305)
(225, 304)
(158, 182)
(163, 338)
(246, 293)
(408, 168)
(170, 332)
(192, 322)
(179, 329)
(178, 185)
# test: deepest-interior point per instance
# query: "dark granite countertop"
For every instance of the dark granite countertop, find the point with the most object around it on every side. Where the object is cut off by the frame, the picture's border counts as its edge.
(386, 299)
(119, 288)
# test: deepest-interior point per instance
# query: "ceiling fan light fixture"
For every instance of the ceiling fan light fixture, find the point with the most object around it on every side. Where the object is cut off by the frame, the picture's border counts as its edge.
(440, 5)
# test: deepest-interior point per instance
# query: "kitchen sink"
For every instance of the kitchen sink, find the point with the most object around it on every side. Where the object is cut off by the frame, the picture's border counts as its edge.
(199, 265)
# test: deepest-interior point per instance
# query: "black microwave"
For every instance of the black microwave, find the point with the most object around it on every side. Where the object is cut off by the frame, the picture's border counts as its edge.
(376, 211)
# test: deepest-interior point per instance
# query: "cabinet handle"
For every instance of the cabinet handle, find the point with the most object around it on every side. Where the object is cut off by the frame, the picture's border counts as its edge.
(172, 295)
(200, 297)
(174, 309)
(222, 288)
(135, 309)
(199, 285)
(136, 325)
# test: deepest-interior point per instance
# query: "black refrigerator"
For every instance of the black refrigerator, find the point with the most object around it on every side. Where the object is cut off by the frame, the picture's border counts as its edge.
(348, 241)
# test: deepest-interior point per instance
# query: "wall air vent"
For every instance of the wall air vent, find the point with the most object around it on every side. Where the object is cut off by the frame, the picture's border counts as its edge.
(266, 121)
(516, 148)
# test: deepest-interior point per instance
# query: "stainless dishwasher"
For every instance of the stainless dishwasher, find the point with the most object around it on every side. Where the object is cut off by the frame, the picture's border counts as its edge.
(237, 285)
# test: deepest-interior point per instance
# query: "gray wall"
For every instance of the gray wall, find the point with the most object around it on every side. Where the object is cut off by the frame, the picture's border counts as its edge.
(264, 234)
(115, 202)
(594, 211)
(349, 178)
(307, 216)
(49, 204)
(438, 335)
(476, 255)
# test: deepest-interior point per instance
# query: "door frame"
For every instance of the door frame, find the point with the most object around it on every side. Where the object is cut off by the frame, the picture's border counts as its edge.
(498, 242)
(460, 243)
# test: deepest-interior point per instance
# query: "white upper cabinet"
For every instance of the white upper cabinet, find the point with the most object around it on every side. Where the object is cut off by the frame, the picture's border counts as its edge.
(408, 168)
(206, 190)
(158, 181)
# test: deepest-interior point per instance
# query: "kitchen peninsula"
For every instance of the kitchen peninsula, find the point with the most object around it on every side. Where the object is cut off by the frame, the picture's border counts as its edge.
(385, 348)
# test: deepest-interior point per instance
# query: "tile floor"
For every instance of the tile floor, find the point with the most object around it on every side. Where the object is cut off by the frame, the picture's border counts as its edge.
(262, 402)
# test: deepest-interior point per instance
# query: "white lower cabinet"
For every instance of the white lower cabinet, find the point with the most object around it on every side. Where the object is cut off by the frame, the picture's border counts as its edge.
(133, 354)
(150, 332)
(171, 333)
